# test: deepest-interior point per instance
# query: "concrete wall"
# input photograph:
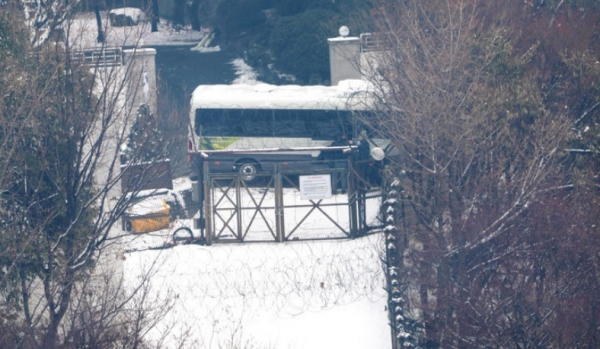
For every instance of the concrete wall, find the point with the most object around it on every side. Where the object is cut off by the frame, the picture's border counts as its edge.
(344, 58)
(141, 87)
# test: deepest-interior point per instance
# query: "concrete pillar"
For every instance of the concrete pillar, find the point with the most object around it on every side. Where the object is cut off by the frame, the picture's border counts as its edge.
(344, 58)
(141, 88)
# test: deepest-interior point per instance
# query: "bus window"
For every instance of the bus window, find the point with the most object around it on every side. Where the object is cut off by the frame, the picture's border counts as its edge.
(293, 123)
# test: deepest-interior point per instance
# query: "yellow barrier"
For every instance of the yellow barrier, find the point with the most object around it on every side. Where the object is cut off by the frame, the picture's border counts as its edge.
(151, 221)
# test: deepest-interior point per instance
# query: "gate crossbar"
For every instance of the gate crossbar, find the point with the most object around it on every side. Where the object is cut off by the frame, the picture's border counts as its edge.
(257, 207)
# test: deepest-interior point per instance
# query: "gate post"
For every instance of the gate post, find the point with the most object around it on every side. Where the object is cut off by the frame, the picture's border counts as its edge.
(362, 210)
(279, 222)
(238, 206)
(208, 214)
(352, 198)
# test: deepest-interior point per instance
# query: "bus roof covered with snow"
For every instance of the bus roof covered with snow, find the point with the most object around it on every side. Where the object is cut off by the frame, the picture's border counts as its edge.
(263, 110)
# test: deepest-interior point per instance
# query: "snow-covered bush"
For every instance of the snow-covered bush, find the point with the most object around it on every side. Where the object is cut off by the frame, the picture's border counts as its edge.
(126, 16)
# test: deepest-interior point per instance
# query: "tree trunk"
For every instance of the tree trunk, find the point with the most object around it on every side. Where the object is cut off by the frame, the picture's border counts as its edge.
(155, 16)
(179, 12)
(100, 37)
(193, 14)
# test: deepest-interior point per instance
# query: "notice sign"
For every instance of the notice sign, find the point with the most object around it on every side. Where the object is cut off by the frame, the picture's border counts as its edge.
(315, 187)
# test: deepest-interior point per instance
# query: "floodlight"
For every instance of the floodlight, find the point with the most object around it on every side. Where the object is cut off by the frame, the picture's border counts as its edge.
(344, 31)
(377, 153)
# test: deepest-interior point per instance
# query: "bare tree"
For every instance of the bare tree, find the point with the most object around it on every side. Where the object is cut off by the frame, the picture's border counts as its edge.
(193, 13)
(96, 7)
(45, 18)
(479, 147)
(179, 12)
(153, 8)
(63, 120)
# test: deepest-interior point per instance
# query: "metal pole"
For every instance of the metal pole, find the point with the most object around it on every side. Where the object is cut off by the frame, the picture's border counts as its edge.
(208, 214)
(238, 206)
(279, 222)
(352, 198)
(202, 191)
(362, 210)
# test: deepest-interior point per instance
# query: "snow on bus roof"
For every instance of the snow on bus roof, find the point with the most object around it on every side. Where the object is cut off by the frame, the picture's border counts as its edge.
(348, 95)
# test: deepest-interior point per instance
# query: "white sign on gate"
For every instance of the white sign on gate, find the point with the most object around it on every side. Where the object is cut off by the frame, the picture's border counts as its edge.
(315, 187)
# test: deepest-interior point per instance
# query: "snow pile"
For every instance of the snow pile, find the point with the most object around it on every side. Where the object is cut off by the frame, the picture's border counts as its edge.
(245, 73)
(204, 44)
(203, 49)
(147, 207)
(126, 16)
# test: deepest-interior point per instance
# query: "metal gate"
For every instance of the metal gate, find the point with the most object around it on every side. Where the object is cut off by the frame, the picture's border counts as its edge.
(271, 207)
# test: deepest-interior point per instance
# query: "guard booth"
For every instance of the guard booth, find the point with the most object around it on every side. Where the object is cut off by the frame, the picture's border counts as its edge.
(288, 202)
(257, 154)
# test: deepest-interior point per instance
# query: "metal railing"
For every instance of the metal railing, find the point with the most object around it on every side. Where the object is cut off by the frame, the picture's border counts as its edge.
(373, 42)
(107, 57)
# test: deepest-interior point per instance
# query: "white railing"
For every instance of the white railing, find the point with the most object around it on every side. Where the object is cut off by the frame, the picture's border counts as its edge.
(108, 57)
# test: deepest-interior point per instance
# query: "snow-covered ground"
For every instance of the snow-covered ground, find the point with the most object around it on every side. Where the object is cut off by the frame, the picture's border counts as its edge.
(83, 31)
(298, 294)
